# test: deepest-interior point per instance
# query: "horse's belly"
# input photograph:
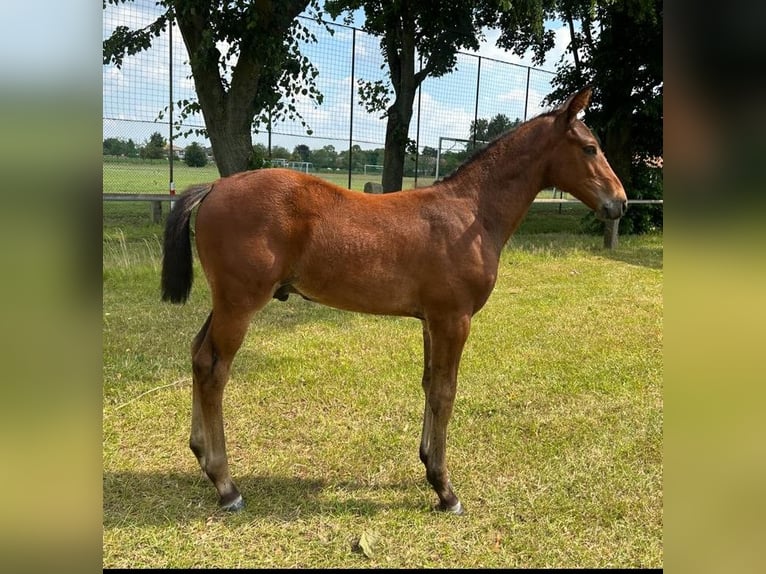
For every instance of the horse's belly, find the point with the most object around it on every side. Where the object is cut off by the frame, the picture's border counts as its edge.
(364, 296)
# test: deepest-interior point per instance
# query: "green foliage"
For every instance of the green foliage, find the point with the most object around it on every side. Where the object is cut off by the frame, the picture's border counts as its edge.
(260, 157)
(483, 130)
(155, 148)
(374, 96)
(280, 151)
(627, 77)
(195, 155)
(301, 152)
(325, 157)
(120, 147)
(451, 160)
(523, 26)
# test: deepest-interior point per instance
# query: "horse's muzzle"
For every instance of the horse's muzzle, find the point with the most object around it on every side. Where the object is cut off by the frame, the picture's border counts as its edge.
(613, 209)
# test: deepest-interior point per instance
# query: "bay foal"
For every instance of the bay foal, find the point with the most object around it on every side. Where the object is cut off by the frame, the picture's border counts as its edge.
(430, 253)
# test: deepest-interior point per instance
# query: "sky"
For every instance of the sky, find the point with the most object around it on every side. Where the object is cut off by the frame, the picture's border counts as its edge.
(134, 95)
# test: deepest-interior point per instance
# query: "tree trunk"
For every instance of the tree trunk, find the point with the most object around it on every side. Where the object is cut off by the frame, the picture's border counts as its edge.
(232, 147)
(397, 128)
(398, 125)
(618, 149)
(400, 53)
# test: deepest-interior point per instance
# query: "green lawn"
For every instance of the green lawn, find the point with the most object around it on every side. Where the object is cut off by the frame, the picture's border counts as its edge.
(152, 176)
(555, 445)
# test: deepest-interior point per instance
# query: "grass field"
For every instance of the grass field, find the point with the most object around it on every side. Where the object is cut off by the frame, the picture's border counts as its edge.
(153, 177)
(555, 445)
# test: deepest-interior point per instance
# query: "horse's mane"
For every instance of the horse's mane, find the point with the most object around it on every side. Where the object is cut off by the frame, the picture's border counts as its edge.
(478, 153)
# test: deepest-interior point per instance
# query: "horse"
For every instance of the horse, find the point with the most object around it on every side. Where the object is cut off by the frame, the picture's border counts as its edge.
(431, 253)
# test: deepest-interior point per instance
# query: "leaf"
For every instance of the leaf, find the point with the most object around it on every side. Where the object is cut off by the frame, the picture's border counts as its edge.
(367, 541)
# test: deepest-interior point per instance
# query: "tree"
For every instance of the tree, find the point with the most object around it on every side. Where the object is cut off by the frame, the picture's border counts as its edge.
(279, 151)
(357, 161)
(154, 148)
(427, 163)
(435, 31)
(195, 156)
(130, 148)
(483, 131)
(118, 146)
(245, 61)
(429, 152)
(301, 152)
(114, 146)
(618, 50)
(260, 156)
(324, 158)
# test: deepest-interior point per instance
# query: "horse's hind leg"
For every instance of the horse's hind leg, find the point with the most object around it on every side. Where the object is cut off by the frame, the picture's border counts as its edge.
(197, 438)
(215, 347)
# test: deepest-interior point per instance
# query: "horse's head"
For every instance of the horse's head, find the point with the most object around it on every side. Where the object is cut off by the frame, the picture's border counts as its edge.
(579, 167)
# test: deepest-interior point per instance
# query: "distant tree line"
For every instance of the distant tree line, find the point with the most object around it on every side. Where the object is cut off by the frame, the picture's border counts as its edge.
(156, 147)
(327, 158)
(120, 147)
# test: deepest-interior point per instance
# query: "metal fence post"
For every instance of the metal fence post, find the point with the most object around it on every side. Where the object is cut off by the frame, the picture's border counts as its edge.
(526, 94)
(351, 106)
(476, 103)
(172, 183)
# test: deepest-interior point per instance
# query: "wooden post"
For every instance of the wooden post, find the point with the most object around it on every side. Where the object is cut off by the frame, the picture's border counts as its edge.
(610, 233)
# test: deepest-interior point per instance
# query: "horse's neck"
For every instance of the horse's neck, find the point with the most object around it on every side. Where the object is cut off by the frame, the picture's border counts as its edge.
(505, 181)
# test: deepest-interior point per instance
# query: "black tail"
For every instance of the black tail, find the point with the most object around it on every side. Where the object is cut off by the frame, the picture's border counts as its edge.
(177, 270)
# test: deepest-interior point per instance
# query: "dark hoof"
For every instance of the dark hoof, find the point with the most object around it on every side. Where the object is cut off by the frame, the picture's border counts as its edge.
(456, 509)
(235, 505)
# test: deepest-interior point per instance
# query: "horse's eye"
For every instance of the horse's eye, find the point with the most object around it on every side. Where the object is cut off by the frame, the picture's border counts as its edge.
(590, 149)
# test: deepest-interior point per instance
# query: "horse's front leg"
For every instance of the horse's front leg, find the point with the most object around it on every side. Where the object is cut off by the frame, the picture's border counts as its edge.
(447, 337)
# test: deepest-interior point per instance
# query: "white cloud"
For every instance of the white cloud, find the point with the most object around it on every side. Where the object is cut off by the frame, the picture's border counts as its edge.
(489, 48)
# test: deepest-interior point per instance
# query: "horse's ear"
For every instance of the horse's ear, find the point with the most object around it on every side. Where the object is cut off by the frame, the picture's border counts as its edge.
(575, 104)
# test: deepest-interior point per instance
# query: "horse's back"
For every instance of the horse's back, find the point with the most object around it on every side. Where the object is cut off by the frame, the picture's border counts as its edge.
(272, 185)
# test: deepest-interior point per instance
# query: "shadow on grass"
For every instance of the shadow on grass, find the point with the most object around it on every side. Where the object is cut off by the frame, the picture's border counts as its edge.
(644, 256)
(134, 498)
(644, 251)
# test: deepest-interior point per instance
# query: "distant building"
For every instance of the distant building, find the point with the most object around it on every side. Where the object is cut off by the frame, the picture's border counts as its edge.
(177, 151)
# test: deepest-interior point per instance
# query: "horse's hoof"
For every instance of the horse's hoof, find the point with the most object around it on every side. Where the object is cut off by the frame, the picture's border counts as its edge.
(457, 509)
(235, 505)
